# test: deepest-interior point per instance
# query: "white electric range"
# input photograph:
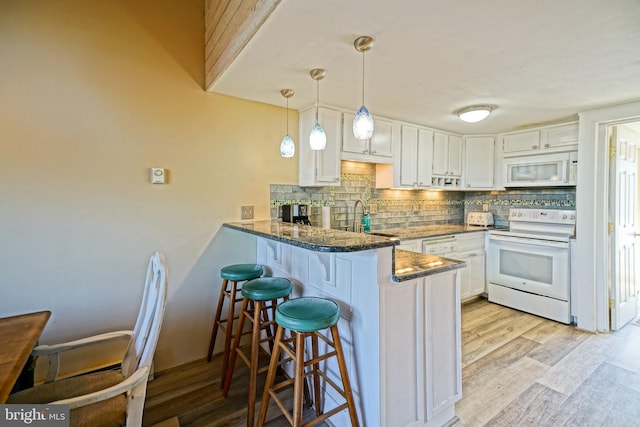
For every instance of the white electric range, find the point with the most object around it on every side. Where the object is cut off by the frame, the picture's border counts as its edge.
(528, 265)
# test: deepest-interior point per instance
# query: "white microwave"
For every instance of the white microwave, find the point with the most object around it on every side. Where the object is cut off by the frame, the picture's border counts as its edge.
(546, 170)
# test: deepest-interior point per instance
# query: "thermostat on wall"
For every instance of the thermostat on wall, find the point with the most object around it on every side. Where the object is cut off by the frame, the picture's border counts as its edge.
(157, 175)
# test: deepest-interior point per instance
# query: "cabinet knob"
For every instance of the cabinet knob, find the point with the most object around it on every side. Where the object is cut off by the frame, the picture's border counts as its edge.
(373, 151)
(336, 179)
(546, 145)
(365, 151)
(534, 146)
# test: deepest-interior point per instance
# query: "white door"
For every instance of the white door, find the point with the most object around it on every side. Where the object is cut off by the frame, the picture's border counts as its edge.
(623, 290)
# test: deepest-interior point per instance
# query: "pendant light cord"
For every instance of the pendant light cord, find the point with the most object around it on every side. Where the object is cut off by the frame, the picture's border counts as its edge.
(287, 116)
(363, 77)
(317, 98)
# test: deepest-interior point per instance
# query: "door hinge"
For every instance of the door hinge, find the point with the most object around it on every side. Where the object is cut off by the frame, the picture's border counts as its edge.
(612, 303)
(611, 227)
(612, 149)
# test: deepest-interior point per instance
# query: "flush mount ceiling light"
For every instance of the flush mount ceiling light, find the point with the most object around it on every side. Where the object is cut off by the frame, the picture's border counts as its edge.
(363, 122)
(475, 113)
(317, 137)
(287, 147)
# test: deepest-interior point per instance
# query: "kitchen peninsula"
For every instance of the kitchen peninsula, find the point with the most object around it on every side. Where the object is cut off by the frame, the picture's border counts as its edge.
(399, 320)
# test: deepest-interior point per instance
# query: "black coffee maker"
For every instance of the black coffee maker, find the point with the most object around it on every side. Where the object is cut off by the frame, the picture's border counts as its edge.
(297, 214)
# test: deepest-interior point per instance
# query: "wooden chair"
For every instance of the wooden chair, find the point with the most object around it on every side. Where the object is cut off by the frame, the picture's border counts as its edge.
(113, 397)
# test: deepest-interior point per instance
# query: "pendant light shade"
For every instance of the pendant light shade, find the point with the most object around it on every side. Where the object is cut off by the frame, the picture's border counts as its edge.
(317, 136)
(363, 122)
(287, 146)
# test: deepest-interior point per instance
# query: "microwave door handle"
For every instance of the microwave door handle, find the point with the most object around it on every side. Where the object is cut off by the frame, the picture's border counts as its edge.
(537, 242)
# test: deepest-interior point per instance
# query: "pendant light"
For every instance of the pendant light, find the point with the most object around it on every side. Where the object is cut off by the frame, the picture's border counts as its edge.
(363, 122)
(317, 136)
(287, 146)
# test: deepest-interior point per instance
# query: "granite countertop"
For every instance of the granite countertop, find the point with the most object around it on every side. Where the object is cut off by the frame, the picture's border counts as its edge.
(313, 238)
(425, 231)
(407, 265)
(411, 265)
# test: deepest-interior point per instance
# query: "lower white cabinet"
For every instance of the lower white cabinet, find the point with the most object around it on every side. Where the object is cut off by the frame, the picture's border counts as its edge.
(472, 277)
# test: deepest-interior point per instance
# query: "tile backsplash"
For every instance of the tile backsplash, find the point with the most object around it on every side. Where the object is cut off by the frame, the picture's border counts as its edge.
(406, 208)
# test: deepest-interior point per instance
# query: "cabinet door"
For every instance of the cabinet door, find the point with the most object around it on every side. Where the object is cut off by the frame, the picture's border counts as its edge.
(381, 143)
(440, 154)
(465, 276)
(455, 155)
(477, 273)
(524, 141)
(479, 162)
(349, 142)
(328, 160)
(559, 136)
(425, 157)
(408, 156)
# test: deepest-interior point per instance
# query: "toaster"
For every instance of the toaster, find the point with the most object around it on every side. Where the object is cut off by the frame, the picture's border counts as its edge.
(482, 219)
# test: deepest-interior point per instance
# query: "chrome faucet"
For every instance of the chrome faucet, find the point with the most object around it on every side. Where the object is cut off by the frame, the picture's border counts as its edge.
(356, 225)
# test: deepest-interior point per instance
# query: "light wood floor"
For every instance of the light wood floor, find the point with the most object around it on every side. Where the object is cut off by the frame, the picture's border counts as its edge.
(518, 370)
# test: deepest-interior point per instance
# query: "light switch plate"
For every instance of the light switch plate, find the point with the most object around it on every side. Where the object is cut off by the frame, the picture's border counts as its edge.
(373, 208)
(246, 212)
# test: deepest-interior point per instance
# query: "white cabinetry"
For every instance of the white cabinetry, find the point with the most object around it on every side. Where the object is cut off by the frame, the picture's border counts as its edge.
(378, 149)
(479, 162)
(447, 160)
(540, 140)
(420, 344)
(321, 167)
(471, 250)
(416, 155)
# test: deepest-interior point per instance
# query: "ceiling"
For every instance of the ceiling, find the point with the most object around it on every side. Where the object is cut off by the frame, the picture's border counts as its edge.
(539, 61)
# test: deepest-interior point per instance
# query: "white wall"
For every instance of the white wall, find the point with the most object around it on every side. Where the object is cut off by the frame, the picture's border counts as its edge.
(92, 94)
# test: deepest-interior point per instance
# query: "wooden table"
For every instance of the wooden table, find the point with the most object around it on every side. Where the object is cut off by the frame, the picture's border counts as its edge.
(18, 336)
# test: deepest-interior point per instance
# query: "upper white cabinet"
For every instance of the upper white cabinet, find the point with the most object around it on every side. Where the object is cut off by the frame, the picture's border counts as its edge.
(377, 149)
(416, 155)
(447, 160)
(479, 162)
(322, 167)
(536, 141)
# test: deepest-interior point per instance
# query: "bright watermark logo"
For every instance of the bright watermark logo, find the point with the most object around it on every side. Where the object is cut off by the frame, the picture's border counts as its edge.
(34, 415)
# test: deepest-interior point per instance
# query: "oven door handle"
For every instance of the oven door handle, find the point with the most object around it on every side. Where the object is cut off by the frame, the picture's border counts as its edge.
(527, 240)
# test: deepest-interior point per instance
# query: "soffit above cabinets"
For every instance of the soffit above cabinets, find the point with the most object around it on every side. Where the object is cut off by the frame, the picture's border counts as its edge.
(538, 62)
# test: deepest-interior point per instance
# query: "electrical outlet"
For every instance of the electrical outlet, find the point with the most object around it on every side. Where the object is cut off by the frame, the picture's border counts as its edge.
(246, 212)
(485, 207)
(373, 208)
(416, 207)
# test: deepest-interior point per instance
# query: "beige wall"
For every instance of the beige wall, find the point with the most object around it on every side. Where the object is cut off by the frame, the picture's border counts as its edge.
(92, 94)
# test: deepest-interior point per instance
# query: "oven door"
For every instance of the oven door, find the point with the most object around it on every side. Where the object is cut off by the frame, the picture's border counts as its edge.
(530, 265)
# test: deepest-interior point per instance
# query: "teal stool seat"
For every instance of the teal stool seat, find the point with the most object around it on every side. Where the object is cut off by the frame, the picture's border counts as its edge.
(307, 314)
(266, 288)
(239, 272)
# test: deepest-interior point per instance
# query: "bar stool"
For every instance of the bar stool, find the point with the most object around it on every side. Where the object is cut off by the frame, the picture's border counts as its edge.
(305, 317)
(259, 297)
(232, 274)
